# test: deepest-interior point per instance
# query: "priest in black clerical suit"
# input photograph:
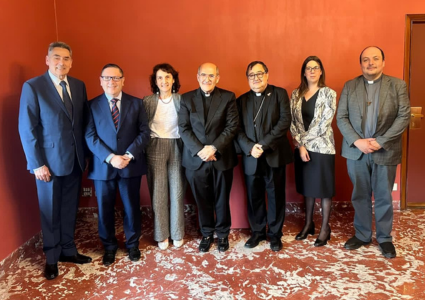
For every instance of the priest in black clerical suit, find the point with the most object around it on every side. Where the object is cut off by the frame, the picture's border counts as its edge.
(265, 118)
(208, 123)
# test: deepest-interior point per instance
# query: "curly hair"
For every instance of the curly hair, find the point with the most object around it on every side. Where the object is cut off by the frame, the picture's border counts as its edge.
(167, 68)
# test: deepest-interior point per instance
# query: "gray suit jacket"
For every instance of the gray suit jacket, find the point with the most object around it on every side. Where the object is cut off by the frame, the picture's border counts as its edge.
(393, 118)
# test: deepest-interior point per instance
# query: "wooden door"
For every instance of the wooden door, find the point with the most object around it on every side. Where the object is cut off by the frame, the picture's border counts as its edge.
(414, 173)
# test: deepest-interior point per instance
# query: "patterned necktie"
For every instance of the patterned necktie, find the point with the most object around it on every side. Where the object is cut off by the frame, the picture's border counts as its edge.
(115, 112)
(66, 99)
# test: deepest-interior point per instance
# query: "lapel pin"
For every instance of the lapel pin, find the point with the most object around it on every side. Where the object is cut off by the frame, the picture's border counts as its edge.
(269, 94)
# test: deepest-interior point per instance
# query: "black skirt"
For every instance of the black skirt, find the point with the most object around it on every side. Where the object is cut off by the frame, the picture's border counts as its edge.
(315, 178)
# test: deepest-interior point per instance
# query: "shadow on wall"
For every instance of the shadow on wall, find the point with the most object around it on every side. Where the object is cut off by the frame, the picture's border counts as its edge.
(18, 183)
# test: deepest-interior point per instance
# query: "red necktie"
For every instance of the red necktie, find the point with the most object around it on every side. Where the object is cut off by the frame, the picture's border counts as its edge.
(115, 112)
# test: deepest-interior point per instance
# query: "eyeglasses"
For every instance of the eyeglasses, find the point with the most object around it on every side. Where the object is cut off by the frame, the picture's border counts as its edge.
(259, 75)
(205, 76)
(310, 69)
(114, 78)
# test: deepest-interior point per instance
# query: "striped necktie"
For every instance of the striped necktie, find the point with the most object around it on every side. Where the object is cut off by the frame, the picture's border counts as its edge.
(115, 112)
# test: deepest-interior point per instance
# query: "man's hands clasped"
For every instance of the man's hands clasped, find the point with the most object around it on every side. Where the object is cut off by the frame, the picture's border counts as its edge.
(257, 150)
(120, 161)
(367, 146)
(208, 153)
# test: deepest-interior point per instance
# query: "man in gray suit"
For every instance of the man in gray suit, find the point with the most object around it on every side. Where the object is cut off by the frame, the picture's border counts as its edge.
(373, 112)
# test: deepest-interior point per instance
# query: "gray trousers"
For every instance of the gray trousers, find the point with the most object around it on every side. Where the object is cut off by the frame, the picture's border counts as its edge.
(368, 177)
(166, 186)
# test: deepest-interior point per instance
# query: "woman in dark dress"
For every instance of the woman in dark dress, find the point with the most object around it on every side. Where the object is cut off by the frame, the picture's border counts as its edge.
(313, 106)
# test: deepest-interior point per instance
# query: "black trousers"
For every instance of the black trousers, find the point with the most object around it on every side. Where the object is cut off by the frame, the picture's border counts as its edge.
(211, 189)
(272, 180)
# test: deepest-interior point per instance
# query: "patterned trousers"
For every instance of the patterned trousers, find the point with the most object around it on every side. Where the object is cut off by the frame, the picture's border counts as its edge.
(166, 186)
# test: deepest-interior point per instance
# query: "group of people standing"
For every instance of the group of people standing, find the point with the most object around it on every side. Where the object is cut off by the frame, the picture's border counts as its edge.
(195, 138)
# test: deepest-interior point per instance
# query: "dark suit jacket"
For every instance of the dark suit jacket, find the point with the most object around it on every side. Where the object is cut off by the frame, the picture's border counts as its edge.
(393, 118)
(273, 123)
(103, 139)
(219, 129)
(49, 137)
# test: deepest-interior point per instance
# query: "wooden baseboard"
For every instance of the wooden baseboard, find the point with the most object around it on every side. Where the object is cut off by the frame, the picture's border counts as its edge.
(415, 204)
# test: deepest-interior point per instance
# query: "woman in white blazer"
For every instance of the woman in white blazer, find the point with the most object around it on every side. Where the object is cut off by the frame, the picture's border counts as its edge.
(313, 107)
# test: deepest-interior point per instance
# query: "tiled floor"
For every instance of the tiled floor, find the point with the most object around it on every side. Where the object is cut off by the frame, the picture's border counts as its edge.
(299, 271)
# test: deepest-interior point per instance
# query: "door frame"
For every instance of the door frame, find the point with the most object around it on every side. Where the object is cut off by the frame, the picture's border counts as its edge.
(410, 19)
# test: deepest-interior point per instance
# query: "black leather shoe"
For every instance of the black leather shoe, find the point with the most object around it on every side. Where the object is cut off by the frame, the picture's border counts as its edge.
(387, 249)
(320, 243)
(134, 254)
(354, 243)
(51, 271)
(205, 244)
(76, 259)
(223, 244)
(275, 244)
(305, 232)
(254, 240)
(109, 257)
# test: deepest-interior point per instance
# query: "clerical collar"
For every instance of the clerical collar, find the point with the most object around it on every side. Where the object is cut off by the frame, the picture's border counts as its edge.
(260, 94)
(207, 94)
(372, 81)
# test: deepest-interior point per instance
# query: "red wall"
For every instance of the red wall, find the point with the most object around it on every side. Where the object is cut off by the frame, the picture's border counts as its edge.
(138, 34)
(26, 31)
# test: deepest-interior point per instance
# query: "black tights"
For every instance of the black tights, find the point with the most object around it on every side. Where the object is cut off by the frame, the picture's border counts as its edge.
(326, 213)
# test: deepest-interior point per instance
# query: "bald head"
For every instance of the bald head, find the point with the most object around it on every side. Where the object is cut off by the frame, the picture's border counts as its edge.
(208, 76)
(208, 65)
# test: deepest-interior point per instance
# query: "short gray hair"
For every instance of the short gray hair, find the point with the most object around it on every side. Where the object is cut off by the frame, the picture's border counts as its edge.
(59, 45)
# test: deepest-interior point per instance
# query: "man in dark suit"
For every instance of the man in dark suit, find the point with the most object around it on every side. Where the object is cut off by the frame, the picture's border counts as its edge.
(51, 123)
(265, 118)
(208, 122)
(373, 112)
(117, 134)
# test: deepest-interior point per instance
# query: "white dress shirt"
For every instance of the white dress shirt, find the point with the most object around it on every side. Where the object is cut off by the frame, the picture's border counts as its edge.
(56, 82)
